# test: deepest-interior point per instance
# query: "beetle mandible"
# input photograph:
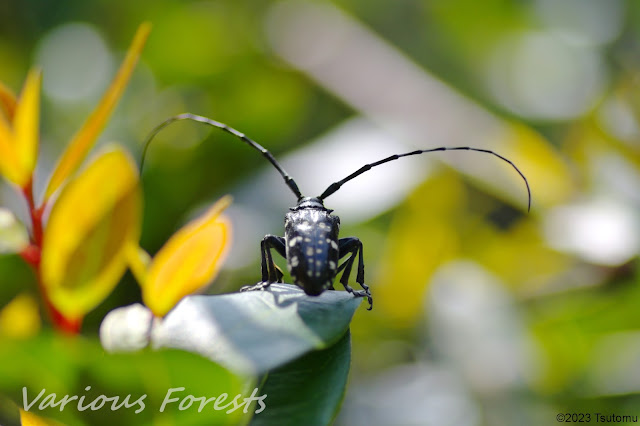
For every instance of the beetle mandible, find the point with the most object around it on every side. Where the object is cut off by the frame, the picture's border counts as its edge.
(310, 244)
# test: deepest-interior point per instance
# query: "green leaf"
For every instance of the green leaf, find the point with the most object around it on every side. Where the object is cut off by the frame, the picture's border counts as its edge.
(67, 366)
(309, 390)
(249, 333)
(16, 276)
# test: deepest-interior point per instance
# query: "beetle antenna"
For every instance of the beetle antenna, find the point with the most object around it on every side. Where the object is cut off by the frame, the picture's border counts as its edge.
(336, 185)
(265, 153)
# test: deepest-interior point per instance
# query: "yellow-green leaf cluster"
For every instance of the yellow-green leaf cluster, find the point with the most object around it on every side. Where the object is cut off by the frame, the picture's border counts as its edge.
(79, 255)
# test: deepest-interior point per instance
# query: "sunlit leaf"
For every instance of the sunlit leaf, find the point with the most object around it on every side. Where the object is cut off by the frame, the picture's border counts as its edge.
(26, 122)
(189, 260)
(93, 221)
(249, 332)
(82, 142)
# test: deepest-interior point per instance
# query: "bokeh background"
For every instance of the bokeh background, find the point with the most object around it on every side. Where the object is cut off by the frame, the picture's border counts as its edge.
(484, 314)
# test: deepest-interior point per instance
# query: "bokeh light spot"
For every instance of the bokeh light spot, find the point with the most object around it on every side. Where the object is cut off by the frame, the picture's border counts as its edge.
(76, 62)
(539, 76)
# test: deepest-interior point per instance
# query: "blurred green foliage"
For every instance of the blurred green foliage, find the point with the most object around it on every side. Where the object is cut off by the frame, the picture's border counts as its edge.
(79, 368)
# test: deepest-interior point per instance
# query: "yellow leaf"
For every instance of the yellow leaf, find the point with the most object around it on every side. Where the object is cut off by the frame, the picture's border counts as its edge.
(518, 255)
(423, 236)
(139, 261)
(8, 102)
(20, 318)
(95, 219)
(548, 173)
(188, 261)
(27, 418)
(26, 122)
(9, 164)
(19, 131)
(86, 137)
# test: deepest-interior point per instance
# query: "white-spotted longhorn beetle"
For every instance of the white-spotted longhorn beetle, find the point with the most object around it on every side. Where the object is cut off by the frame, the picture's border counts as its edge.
(311, 244)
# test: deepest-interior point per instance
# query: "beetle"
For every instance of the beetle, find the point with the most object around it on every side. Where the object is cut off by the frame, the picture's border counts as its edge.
(311, 244)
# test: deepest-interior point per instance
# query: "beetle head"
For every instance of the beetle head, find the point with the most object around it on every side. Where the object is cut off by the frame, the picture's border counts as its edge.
(310, 203)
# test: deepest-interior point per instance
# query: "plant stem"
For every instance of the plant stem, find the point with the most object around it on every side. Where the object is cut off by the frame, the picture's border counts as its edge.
(34, 213)
(31, 254)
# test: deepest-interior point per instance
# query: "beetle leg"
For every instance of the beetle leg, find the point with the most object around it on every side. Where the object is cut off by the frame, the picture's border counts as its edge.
(271, 273)
(353, 246)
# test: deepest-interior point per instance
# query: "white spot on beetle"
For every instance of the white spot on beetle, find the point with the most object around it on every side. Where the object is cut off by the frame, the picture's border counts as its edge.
(317, 274)
(321, 241)
(294, 261)
(309, 251)
(307, 239)
(334, 244)
(292, 242)
(332, 265)
(318, 251)
(319, 263)
(309, 272)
